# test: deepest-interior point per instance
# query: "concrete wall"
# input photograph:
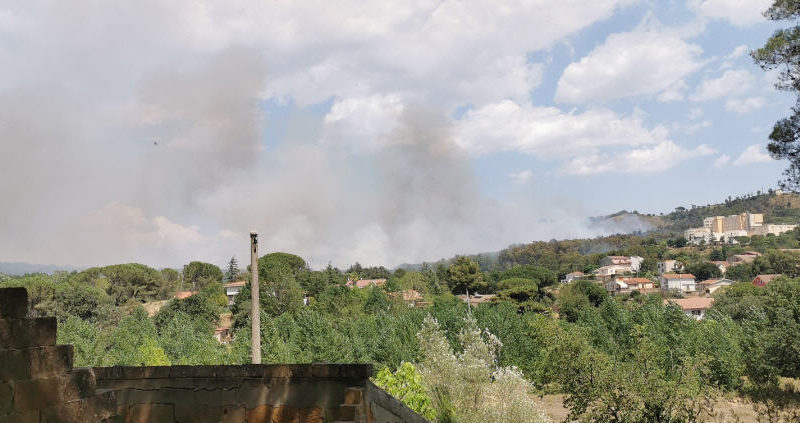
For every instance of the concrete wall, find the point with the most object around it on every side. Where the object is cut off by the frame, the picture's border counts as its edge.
(39, 385)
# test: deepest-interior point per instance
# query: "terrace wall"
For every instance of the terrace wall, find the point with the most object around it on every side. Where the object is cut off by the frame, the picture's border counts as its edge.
(39, 384)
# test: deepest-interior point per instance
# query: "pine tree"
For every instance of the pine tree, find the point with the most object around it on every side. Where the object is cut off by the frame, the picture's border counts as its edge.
(232, 271)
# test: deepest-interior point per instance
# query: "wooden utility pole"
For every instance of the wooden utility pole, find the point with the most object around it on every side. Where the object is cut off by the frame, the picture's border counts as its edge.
(255, 313)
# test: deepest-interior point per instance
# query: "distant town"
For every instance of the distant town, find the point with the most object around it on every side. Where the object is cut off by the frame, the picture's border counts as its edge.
(725, 229)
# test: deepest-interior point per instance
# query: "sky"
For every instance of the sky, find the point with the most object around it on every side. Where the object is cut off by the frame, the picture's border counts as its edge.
(381, 132)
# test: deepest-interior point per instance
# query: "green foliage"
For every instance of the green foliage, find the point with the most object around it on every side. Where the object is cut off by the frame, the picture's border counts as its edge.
(468, 384)
(377, 301)
(189, 340)
(270, 263)
(198, 275)
(406, 385)
(125, 282)
(781, 52)
(197, 307)
(133, 343)
(704, 270)
(463, 275)
(232, 271)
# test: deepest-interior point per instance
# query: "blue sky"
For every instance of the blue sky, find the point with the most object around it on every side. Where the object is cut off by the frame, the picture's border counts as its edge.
(385, 132)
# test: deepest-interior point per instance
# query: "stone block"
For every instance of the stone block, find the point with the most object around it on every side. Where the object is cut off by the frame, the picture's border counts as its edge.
(353, 395)
(325, 370)
(36, 363)
(13, 303)
(84, 381)
(150, 413)
(26, 333)
(348, 411)
(355, 371)
(25, 417)
(194, 412)
(6, 397)
(37, 394)
(233, 414)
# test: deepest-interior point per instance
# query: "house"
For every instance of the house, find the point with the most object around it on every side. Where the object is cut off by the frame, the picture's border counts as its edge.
(569, 277)
(613, 269)
(763, 280)
(632, 262)
(708, 286)
(232, 290)
(684, 282)
(721, 265)
(612, 260)
(669, 266)
(626, 284)
(365, 283)
(745, 257)
(182, 295)
(695, 307)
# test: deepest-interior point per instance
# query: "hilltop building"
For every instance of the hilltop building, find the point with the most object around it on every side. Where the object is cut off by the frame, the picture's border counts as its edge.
(727, 228)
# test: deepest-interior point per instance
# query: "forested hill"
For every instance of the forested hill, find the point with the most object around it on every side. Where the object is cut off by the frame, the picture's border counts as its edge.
(781, 208)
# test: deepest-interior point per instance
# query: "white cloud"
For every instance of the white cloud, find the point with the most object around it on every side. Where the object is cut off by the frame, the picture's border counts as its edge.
(738, 12)
(722, 161)
(695, 113)
(522, 176)
(641, 62)
(674, 93)
(360, 124)
(691, 129)
(732, 82)
(658, 158)
(752, 154)
(548, 132)
(745, 105)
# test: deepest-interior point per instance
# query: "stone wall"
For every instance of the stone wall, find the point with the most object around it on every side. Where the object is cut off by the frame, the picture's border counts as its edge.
(38, 384)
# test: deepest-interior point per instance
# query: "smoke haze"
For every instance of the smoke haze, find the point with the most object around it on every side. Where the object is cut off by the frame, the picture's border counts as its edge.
(139, 134)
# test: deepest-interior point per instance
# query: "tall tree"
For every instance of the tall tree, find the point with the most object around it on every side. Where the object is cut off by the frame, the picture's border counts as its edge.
(200, 274)
(465, 274)
(232, 270)
(782, 51)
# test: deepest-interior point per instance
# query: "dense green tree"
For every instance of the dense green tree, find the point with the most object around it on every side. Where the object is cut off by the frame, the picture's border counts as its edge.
(742, 272)
(232, 271)
(704, 270)
(197, 307)
(189, 340)
(782, 51)
(465, 274)
(198, 274)
(269, 263)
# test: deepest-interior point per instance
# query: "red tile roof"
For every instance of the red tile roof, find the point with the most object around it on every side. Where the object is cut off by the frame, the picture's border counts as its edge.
(237, 283)
(678, 276)
(695, 303)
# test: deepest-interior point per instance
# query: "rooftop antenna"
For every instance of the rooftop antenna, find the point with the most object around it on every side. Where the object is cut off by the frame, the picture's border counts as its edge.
(255, 299)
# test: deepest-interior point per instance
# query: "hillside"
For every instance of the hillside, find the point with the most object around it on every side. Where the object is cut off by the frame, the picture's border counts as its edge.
(779, 208)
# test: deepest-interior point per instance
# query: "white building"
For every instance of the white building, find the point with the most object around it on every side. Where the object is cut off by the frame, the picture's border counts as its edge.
(569, 277)
(772, 229)
(232, 290)
(707, 287)
(684, 282)
(693, 307)
(669, 266)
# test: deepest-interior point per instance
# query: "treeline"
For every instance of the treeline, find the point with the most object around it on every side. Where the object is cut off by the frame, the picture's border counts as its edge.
(629, 358)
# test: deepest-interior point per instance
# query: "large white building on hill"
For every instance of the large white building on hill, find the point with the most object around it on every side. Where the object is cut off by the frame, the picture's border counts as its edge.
(727, 228)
